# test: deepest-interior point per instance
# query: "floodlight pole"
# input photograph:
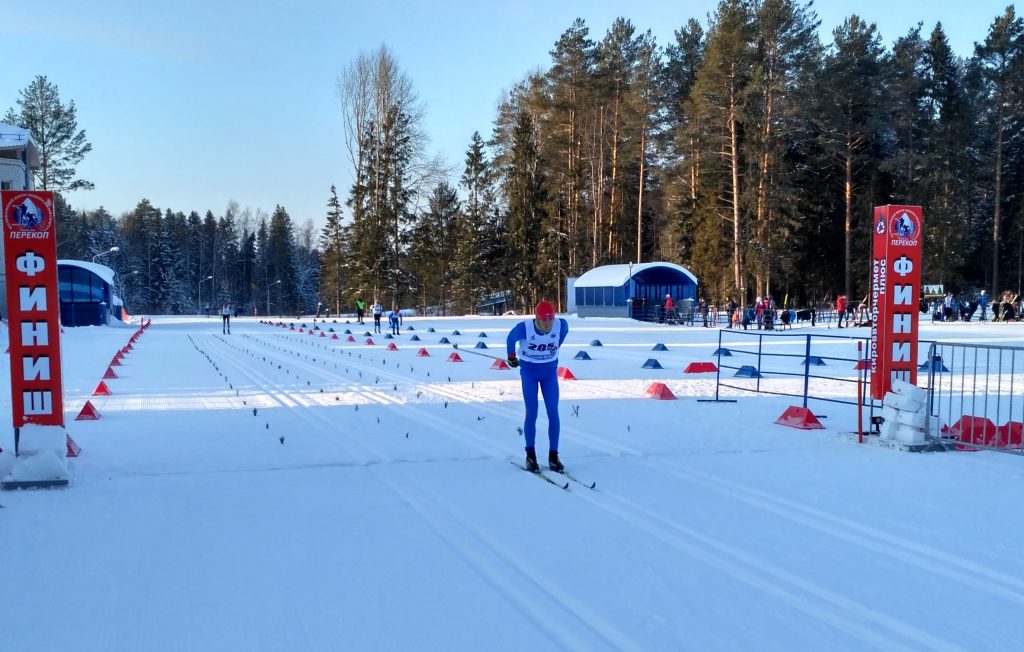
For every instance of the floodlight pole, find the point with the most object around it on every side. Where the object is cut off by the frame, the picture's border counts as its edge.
(268, 294)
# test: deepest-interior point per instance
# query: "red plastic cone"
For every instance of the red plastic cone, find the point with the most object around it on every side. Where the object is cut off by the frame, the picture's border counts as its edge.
(73, 448)
(350, 339)
(454, 357)
(88, 413)
(110, 375)
(392, 347)
(422, 353)
(101, 390)
(334, 336)
(322, 334)
(800, 418)
(700, 367)
(368, 342)
(565, 374)
(500, 364)
(660, 391)
(115, 362)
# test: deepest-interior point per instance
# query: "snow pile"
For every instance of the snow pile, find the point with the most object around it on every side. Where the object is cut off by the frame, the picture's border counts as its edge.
(904, 414)
(42, 454)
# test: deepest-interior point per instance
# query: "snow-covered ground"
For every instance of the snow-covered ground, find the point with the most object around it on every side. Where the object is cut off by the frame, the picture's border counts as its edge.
(271, 490)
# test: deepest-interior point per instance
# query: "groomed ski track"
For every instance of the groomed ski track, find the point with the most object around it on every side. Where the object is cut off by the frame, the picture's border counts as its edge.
(673, 521)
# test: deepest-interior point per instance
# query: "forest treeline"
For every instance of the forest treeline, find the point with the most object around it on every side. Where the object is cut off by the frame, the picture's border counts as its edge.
(747, 149)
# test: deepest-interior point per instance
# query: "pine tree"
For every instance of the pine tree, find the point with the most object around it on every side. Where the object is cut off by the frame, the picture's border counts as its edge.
(478, 264)
(568, 88)
(720, 105)
(945, 181)
(281, 259)
(680, 144)
(334, 256)
(788, 52)
(526, 197)
(54, 128)
(999, 58)
(849, 118)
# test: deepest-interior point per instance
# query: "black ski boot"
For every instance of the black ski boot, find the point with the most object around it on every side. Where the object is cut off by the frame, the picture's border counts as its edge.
(554, 463)
(531, 461)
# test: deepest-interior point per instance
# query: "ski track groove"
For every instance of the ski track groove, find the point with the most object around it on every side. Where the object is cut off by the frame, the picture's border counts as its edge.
(795, 590)
(968, 572)
(601, 637)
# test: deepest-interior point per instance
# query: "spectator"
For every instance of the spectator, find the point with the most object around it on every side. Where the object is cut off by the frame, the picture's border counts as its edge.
(669, 308)
(841, 311)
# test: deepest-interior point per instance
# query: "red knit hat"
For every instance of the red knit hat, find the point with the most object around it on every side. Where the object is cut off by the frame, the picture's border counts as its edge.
(545, 310)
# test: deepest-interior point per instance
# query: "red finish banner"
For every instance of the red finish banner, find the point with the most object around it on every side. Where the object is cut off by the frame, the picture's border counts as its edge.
(895, 288)
(33, 304)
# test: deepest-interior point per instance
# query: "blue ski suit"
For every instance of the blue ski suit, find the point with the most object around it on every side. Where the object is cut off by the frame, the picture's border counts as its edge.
(538, 357)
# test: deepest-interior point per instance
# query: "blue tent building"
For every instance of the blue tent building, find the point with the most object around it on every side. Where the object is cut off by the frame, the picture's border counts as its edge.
(86, 293)
(635, 291)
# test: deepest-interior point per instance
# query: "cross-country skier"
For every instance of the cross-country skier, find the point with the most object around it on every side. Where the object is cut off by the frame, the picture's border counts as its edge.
(377, 311)
(225, 313)
(539, 340)
(393, 317)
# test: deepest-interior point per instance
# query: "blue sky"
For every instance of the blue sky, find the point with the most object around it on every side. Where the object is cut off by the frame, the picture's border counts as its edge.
(195, 103)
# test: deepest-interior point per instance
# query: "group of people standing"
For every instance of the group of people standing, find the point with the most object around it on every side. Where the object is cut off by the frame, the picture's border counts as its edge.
(377, 311)
(958, 308)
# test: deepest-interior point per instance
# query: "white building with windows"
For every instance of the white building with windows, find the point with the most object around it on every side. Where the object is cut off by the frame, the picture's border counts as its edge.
(19, 157)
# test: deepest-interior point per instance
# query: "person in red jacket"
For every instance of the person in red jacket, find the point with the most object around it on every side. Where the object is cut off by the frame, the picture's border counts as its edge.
(841, 311)
(669, 307)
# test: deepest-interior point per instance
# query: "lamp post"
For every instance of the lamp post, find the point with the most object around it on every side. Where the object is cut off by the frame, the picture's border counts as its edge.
(105, 253)
(208, 278)
(124, 280)
(268, 294)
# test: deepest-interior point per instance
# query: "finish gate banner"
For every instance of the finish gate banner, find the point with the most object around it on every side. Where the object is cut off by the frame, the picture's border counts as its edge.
(895, 288)
(30, 260)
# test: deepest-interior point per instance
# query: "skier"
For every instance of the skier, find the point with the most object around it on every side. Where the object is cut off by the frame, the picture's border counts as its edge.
(360, 308)
(539, 340)
(377, 311)
(393, 317)
(225, 313)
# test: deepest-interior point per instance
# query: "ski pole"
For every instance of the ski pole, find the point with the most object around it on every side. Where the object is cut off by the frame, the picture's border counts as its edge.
(456, 346)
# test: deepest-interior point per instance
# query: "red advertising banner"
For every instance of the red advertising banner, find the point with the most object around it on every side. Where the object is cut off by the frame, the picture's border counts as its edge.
(33, 304)
(895, 288)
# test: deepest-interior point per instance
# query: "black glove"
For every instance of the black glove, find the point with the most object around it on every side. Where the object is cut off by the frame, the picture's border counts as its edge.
(513, 361)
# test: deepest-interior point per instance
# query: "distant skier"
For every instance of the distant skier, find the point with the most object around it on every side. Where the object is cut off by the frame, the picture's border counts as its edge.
(393, 318)
(377, 311)
(539, 340)
(360, 309)
(225, 313)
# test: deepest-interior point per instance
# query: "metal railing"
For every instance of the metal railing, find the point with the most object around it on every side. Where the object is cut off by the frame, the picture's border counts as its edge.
(976, 395)
(807, 366)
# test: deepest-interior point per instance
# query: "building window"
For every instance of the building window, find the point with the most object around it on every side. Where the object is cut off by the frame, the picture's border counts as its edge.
(6, 185)
(76, 285)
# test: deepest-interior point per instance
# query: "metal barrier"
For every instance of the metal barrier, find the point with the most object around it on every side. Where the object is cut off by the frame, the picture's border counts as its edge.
(781, 356)
(976, 395)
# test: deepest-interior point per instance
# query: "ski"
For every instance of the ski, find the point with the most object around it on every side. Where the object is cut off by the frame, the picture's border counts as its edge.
(591, 485)
(541, 475)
